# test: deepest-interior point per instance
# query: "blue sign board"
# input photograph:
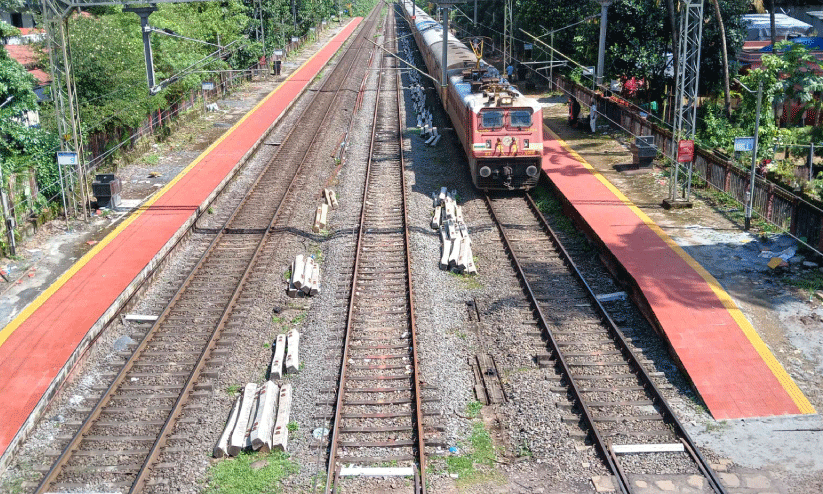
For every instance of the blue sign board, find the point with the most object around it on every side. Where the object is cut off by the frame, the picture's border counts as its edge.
(67, 158)
(744, 144)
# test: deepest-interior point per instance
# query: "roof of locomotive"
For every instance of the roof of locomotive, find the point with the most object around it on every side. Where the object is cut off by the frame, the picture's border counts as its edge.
(462, 57)
(459, 54)
(478, 101)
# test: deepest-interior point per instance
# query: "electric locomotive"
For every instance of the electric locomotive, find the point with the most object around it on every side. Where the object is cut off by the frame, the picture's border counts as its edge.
(499, 128)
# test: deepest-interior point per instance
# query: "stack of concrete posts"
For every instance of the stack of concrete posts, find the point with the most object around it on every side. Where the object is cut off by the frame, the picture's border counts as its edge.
(280, 436)
(285, 345)
(278, 357)
(456, 254)
(256, 421)
(330, 198)
(305, 277)
(418, 97)
(321, 218)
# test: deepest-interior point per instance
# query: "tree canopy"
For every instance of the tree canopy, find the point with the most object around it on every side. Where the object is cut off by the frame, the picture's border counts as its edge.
(638, 37)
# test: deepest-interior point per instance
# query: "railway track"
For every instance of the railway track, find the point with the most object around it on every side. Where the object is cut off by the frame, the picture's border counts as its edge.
(618, 404)
(124, 434)
(378, 416)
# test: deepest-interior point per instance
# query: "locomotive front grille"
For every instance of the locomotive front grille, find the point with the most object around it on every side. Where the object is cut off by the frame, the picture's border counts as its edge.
(499, 180)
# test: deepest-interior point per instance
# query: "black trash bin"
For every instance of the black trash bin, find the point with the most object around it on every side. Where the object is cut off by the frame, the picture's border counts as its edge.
(643, 151)
(106, 189)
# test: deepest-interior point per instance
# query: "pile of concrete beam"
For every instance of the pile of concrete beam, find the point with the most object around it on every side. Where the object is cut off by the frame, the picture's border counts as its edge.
(424, 116)
(456, 254)
(285, 353)
(305, 277)
(321, 216)
(258, 422)
(418, 96)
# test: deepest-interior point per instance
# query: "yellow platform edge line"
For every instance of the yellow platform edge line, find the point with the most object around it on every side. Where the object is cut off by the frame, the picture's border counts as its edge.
(12, 326)
(785, 380)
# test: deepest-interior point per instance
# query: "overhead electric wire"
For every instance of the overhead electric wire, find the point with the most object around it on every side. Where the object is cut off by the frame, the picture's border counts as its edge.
(631, 133)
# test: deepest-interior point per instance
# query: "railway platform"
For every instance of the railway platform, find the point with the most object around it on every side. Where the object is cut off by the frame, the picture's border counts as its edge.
(730, 366)
(40, 346)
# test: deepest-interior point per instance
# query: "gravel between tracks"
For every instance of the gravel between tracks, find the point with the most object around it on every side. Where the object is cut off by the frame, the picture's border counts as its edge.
(537, 451)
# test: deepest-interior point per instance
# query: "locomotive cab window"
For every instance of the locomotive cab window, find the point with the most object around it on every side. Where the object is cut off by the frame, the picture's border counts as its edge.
(520, 118)
(491, 119)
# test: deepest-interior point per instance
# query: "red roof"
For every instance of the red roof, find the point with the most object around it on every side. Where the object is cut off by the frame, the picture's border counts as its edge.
(42, 76)
(29, 30)
(24, 54)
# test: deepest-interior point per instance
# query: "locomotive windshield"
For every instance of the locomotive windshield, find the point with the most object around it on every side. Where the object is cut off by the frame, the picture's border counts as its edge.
(492, 119)
(521, 118)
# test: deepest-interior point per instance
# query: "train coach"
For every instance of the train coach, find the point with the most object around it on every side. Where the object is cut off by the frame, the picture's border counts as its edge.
(499, 128)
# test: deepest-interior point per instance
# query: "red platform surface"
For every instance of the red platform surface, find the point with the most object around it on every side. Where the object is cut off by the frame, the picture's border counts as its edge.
(38, 343)
(731, 367)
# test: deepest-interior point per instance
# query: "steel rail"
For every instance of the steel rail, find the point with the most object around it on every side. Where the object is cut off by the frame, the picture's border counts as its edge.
(370, 22)
(332, 474)
(602, 445)
(587, 415)
(182, 399)
(421, 446)
(668, 413)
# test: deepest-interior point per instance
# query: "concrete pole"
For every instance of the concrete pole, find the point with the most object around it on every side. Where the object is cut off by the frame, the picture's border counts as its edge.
(444, 78)
(750, 204)
(551, 63)
(294, 14)
(263, 35)
(7, 218)
(475, 13)
(601, 53)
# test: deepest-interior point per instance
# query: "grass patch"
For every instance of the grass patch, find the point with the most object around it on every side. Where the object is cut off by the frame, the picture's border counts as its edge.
(13, 486)
(233, 389)
(317, 254)
(299, 318)
(465, 466)
(716, 426)
(552, 210)
(292, 426)
(473, 408)
(808, 281)
(523, 451)
(469, 281)
(235, 476)
(152, 159)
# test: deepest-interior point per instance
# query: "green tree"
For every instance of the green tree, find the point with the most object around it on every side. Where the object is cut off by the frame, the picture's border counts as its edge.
(17, 97)
(7, 30)
(794, 72)
(22, 147)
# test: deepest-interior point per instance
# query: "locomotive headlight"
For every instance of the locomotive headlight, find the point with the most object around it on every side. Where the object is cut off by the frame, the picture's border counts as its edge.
(525, 144)
(488, 144)
(485, 171)
(530, 171)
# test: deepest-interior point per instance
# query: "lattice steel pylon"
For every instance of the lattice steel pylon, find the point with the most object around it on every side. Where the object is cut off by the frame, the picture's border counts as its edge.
(688, 75)
(508, 34)
(63, 93)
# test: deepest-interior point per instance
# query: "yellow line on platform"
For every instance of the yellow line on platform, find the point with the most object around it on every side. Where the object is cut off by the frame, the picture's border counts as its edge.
(759, 345)
(11, 327)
